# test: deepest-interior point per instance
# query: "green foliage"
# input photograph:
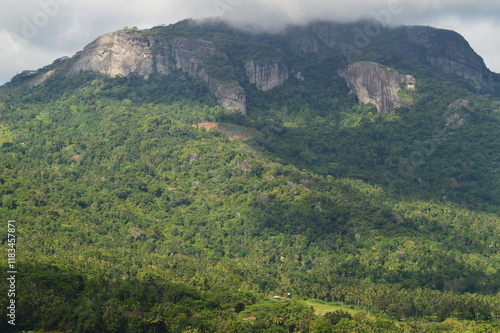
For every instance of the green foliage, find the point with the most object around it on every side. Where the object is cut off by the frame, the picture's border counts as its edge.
(219, 68)
(411, 151)
(133, 220)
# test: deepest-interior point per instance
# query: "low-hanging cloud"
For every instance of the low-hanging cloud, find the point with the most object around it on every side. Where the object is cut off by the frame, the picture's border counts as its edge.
(35, 32)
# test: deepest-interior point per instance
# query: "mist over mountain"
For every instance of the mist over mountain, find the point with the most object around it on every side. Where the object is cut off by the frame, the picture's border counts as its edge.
(53, 28)
(144, 52)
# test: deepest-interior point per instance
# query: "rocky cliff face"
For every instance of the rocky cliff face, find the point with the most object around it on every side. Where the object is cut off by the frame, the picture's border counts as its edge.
(116, 54)
(266, 75)
(457, 108)
(450, 53)
(446, 51)
(377, 84)
(190, 55)
(312, 48)
(123, 53)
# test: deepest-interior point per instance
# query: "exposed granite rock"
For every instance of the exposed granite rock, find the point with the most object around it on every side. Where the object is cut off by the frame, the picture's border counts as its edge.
(267, 75)
(124, 52)
(297, 74)
(39, 79)
(230, 95)
(117, 53)
(459, 103)
(145, 53)
(376, 84)
(189, 55)
(446, 51)
(456, 119)
(450, 53)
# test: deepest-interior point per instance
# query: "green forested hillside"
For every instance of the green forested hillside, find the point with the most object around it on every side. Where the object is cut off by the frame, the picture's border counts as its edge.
(412, 150)
(132, 220)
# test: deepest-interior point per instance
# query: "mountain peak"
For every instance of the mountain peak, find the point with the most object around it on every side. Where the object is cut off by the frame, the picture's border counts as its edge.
(228, 59)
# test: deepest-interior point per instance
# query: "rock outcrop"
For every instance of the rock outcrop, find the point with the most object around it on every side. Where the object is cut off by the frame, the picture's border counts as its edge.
(39, 79)
(190, 55)
(447, 51)
(377, 84)
(126, 52)
(269, 60)
(459, 103)
(117, 53)
(450, 53)
(456, 118)
(267, 75)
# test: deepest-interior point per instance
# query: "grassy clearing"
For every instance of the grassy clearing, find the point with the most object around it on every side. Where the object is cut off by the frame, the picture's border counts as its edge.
(320, 308)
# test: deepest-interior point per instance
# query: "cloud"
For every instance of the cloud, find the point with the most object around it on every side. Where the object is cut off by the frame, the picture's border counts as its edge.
(35, 32)
(402, 11)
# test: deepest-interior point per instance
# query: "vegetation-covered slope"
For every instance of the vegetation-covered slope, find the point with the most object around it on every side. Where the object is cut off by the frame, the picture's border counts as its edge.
(131, 219)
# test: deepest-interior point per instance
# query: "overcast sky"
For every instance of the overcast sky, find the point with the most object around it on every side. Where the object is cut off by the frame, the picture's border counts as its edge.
(33, 33)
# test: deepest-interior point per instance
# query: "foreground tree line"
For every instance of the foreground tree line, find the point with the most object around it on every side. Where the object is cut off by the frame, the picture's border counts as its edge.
(59, 300)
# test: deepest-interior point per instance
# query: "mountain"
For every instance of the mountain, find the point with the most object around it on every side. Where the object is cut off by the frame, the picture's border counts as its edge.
(266, 63)
(200, 177)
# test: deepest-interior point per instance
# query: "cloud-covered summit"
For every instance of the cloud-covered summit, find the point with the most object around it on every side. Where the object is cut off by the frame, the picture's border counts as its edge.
(35, 32)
